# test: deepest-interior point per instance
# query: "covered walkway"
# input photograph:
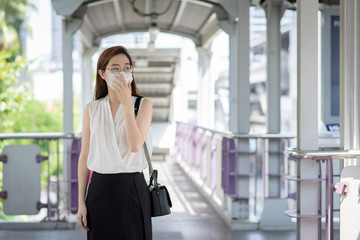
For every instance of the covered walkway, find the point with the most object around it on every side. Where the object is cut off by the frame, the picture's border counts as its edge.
(235, 184)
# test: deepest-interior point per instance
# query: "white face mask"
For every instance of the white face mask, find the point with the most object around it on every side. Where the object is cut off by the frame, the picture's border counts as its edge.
(127, 76)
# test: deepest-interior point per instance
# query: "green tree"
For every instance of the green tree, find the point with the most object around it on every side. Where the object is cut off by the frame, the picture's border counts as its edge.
(36, 116)
(12, 21)
(12, 94)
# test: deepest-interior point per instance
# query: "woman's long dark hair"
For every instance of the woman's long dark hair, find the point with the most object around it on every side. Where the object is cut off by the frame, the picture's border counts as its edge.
(101, 85)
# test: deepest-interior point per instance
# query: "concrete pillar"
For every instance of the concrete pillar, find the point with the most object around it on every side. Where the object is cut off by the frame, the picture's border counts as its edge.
(350, 114)
(274, 11)
(87, 77)
(273, 216)
(206, 92)
(69, 28)
(307, 118)
(350, 77)
(239, 99)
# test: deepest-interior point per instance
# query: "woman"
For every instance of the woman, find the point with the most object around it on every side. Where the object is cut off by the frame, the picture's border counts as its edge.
(117, 202)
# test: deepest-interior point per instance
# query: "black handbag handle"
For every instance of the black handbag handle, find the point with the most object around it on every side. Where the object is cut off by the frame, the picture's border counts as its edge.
(147, 155)
(154, 177)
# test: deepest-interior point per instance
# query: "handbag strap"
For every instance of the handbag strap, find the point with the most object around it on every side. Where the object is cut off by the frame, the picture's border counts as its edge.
(151, 170)
(137, 104)
(147, 155)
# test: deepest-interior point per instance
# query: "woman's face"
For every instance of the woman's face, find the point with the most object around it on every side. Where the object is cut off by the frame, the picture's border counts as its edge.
(117, 63)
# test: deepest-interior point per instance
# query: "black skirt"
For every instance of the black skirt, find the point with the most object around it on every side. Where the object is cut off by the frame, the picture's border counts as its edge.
(118, 207)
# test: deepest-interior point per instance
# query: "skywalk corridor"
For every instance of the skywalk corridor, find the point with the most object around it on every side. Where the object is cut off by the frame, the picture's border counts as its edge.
(191, 219)
(259, 97)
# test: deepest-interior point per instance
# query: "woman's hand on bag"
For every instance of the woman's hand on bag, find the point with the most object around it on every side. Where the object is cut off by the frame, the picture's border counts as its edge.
(81, 217)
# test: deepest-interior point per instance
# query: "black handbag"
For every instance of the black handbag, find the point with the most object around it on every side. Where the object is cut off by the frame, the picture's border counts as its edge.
(160, 197)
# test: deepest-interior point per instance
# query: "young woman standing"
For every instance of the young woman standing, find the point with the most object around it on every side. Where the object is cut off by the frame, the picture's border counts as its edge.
(116, 204)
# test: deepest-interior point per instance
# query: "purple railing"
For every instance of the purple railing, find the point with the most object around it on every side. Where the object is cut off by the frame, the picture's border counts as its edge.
(213, 183)
(75, 153)
(211, 148)
(203, 150)
(229, 166)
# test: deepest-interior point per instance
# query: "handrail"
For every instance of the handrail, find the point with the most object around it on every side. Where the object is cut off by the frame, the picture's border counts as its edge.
(223, 133)
(47, 136)
(327, 155)
(189, 139)
(339, 154)
(37, 136)
(229, 134)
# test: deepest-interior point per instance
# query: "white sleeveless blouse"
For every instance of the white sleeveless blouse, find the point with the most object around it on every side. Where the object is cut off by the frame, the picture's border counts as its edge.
(109, 151)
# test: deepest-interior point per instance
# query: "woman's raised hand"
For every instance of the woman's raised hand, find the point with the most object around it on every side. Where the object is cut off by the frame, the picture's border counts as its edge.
(122, 89)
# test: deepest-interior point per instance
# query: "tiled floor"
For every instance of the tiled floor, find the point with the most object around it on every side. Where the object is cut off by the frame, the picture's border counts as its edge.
(191, 218)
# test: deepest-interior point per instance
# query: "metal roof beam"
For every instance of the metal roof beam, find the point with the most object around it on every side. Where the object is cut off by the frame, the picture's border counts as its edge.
(148, 7)
(118, 15)
(208, 30)
(66, 7)
(179, 14)
(110, 32)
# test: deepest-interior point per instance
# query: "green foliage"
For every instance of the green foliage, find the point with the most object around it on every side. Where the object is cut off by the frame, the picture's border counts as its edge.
(12, 94)
(35, 116)
(12, 21)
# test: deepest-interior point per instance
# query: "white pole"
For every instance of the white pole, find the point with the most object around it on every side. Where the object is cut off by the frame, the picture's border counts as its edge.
(307, 118)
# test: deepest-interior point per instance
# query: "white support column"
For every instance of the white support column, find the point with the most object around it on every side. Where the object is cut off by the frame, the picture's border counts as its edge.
(273, 216)
(69, 28)
(307, 118)
(350, 76)
(274, 11)
(357, 77)
(239, 72)
(240, 105)
(206, 94)
(350, 114)
(87, 77)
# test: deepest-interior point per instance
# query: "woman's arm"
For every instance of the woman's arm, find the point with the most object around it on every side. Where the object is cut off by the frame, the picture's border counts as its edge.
(137, 128)
(83, 171)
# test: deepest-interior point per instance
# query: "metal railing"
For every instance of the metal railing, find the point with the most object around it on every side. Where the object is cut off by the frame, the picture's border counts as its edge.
(330, 187)
(211, 158)
(201, 156)
(53, 209)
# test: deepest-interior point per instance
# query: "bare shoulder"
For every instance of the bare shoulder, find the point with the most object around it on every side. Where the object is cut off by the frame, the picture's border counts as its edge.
(147, 103)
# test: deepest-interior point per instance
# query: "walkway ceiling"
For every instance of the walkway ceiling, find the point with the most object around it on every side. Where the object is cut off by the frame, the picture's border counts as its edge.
(198, 20)
(195, 19)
